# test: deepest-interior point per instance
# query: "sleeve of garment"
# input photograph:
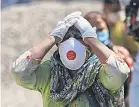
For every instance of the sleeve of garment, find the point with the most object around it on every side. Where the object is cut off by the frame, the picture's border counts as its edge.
(114, 73)
(29, 73)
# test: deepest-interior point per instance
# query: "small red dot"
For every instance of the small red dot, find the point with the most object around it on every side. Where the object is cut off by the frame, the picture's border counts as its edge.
(71, 55)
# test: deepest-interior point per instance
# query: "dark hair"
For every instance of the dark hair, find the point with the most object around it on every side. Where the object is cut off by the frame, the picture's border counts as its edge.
(72, 32)
(88, 15)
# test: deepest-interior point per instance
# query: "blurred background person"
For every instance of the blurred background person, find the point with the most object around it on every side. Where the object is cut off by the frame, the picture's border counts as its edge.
(97, 19)
(129, 33)
(132, 29)
(112, 10)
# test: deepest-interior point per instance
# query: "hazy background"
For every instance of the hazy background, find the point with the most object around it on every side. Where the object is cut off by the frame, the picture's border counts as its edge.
(24, 24)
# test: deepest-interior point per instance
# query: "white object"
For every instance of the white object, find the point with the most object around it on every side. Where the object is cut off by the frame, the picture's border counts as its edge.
(117, 73)
(85, 28)
(72, 53)
(23, 64)
(62, 27)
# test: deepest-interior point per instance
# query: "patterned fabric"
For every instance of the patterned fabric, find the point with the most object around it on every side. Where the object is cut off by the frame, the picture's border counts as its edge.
(105, 98)
(64, 87)
(98, 96)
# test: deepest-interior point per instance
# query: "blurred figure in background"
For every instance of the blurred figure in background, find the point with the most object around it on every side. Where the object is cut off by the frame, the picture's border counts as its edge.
(132, 29)
(127, 36)
(112, 9)
(97, 19)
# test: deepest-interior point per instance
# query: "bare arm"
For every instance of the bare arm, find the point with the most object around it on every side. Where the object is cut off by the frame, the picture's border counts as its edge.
(40, 50)
(98, 48)
(89, 36)
(115, 70)
(26, 70)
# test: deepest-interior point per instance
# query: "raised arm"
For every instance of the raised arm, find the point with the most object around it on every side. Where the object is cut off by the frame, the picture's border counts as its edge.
(102, 51)
(40, 50)
(115, 70)
(27, 70)
(89, 36)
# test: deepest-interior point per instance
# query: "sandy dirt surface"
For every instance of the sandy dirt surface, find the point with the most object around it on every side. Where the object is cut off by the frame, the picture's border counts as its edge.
(23, 26)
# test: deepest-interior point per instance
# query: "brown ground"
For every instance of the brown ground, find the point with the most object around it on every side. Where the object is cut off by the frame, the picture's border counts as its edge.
(22, 27)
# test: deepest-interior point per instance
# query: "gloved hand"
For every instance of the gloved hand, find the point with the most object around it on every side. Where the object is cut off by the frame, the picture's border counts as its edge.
(62, 27)
(85, 28)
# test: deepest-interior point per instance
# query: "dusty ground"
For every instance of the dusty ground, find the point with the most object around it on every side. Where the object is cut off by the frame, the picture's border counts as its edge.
(22, 27)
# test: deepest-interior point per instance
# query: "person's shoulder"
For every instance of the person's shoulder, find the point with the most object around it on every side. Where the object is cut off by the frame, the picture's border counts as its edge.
(46, 63)
(45, 67)
(43, 76)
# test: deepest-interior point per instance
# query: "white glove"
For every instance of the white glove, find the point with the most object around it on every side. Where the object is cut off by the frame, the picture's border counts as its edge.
(85, 28)
(62, 27)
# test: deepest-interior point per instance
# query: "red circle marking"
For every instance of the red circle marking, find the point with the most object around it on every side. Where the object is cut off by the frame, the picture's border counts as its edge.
(71, 55)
